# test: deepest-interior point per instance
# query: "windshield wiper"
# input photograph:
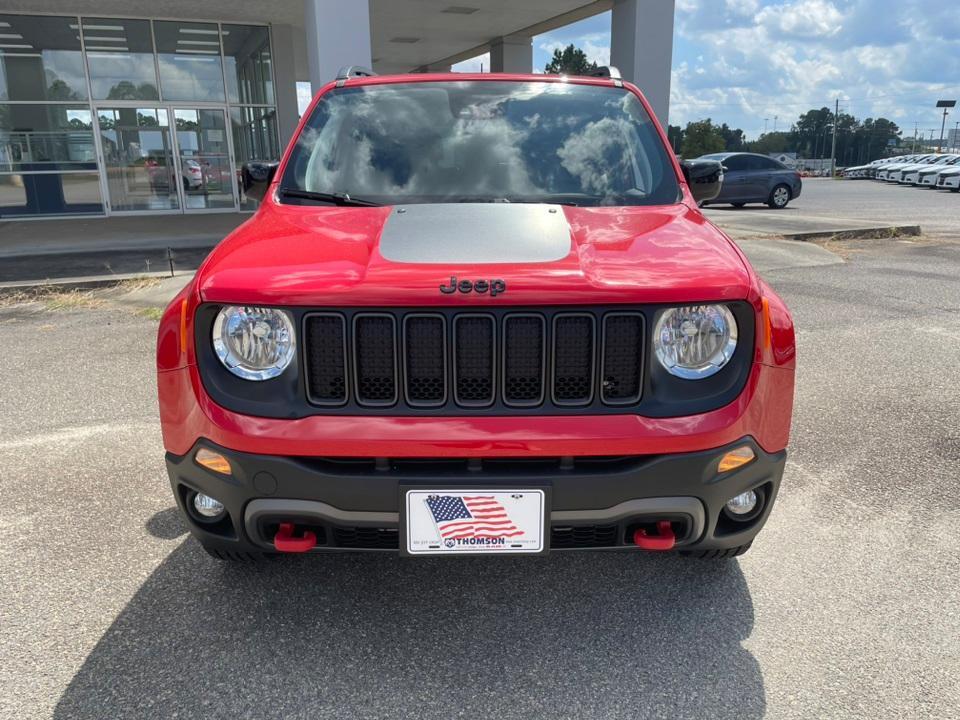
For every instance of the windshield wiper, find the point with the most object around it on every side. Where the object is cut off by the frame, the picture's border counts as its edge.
(335, 198)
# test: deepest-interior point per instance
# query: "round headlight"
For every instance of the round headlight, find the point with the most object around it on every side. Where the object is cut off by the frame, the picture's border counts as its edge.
(254, 343)
(694, 342)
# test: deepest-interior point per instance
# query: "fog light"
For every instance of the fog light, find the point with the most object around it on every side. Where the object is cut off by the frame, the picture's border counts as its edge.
(207, 506)
(742, 504)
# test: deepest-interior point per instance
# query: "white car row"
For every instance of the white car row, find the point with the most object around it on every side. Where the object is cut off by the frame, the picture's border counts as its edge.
(933, 170)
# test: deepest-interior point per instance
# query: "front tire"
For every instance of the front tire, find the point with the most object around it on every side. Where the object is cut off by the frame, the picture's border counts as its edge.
(779, 197)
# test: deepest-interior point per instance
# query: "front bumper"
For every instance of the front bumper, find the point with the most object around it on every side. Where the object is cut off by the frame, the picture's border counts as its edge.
(597, 502)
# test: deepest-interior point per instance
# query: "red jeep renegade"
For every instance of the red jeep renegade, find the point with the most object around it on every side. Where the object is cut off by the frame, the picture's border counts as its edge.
(476, 314)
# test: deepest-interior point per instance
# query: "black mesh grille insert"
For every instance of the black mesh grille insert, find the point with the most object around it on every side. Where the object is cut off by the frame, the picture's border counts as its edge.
(474, 364)
(523, 359)
(425, 357)
(375, 359)
(573, 359)
(622, 356)
(326, 366)
(366, 538)
(582, 536)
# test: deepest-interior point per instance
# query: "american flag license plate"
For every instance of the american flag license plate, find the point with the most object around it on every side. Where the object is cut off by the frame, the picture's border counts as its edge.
(446, 522)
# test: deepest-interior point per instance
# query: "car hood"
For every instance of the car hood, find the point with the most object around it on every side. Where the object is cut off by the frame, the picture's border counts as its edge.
(322, 255)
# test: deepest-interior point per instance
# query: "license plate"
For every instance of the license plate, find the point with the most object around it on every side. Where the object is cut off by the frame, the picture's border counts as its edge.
(448, 522)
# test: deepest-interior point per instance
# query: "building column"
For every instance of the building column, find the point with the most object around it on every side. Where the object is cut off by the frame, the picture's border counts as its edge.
(285, 87)
(338, 34)
(641, 46)
(511, 54)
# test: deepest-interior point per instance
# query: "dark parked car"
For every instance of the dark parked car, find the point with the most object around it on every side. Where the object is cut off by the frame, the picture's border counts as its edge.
(751, 178)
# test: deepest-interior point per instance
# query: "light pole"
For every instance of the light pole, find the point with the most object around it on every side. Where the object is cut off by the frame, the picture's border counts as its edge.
(765, 126)
(945, 104)
(833, 142)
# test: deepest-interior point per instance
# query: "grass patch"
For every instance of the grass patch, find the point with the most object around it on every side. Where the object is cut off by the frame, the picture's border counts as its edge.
(137, 283)
(71, 300)
(151, 313)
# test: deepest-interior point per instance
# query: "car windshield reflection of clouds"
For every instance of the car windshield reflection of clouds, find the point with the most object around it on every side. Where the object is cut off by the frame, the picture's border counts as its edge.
(484, 141)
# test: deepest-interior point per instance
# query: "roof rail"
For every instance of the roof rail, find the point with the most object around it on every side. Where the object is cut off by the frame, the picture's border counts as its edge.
(608, 71)
(349, 71)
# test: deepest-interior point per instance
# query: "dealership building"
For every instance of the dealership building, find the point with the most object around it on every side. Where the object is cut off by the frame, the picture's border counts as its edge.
(121, 107)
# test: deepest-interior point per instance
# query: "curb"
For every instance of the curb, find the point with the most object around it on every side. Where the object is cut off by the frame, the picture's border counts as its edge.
(91, 282)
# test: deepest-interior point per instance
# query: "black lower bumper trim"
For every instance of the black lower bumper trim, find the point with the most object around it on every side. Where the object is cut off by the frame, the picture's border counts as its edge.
(596, 502)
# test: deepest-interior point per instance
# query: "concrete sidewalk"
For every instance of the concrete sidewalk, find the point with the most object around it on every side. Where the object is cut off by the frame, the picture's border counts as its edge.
(115, 247)
(129, 233)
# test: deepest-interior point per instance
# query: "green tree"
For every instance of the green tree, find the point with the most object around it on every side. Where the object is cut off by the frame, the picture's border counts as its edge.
(569, 61)
(675, 136)
(733, 139)
(772, 142)
(702, 138)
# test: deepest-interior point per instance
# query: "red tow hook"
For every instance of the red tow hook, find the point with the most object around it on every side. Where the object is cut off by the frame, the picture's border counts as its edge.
(662, 541)
(284, 541)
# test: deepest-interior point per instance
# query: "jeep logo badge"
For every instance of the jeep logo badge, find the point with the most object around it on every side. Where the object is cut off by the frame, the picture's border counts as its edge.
(494, 287)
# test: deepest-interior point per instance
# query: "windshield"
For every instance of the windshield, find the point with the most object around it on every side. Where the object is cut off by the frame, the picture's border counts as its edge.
(482, 141)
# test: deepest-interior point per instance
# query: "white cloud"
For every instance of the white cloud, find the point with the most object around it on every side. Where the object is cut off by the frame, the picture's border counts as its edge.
(802, 18)
(881, 57)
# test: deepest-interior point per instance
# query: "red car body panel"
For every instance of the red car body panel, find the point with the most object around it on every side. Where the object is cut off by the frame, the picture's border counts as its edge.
(328, 256)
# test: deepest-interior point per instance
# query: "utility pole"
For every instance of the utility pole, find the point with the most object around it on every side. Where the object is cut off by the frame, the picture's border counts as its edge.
(833, 144)
(956, 135)
(765, 126)
(946, 105)
(916, 124)
(775, 123)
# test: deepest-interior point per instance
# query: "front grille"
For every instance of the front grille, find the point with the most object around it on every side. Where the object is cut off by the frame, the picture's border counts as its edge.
(430, 360)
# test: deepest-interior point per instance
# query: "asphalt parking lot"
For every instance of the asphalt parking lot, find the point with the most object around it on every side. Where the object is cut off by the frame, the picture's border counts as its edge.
(826, 205)
(847, 606)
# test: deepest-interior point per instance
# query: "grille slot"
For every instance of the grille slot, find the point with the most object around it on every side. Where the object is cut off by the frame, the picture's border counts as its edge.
(375, 358)
(474, 364)
(425, 358)
(523, 359)
(622, 358)
(326, 359)
(574, 341)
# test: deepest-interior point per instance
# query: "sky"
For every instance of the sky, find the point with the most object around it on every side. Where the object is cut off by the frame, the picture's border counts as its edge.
(753, 63)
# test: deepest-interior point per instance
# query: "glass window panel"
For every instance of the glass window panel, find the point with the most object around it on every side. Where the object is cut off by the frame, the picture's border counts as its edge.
(206, 174)
(254, 138)
(46, 137)
(138, 158)
(246, 50)
(40, 59)
(120, 58)
(34, 194)
(189, 58)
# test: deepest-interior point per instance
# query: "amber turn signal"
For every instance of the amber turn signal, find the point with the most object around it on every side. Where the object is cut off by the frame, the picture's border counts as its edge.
(738, 457)
(213, 461)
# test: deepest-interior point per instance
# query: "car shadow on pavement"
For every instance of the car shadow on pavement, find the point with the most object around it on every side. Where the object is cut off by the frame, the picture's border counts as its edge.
(577, 635)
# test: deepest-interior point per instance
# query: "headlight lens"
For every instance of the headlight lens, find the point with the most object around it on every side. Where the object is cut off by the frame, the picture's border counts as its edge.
(254, 343)
(694, 342)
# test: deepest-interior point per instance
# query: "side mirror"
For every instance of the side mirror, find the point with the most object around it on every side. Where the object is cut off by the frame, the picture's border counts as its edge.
(256, 178)
(705, 178)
